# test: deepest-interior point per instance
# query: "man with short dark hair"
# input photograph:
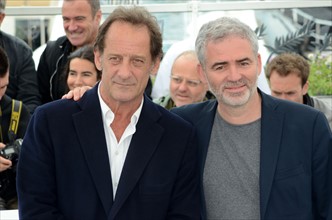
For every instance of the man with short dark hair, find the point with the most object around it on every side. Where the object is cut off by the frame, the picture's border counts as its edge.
(288, 74)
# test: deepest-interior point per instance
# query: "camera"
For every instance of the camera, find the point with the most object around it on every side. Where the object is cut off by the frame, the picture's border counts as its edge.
(11, 151)
(8, 177)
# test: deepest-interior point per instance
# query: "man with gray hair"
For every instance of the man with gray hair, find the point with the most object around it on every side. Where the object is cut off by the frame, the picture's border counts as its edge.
(22, 73)
(261, 157)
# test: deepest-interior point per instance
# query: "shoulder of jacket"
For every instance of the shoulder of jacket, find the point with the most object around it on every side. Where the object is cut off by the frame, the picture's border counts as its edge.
(60, 43)
(13, 41)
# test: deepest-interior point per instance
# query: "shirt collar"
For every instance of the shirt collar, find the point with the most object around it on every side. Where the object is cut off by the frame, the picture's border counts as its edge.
(108, 115)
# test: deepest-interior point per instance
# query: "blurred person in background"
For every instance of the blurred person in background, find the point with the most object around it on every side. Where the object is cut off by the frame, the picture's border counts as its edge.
(23, 83)
(288, 75)
(12, 128)
(186, 86)
(80, 69)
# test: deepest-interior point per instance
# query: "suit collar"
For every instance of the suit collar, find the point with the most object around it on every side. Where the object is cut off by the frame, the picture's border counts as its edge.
(94, 145)
(141, 149)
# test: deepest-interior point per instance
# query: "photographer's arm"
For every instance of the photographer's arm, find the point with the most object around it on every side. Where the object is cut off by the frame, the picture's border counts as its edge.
(4, 163)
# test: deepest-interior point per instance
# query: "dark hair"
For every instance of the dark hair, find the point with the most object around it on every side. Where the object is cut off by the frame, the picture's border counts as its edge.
(137, 16)
(4, 62)
(289, 63)
(95, 5)
(85, 53)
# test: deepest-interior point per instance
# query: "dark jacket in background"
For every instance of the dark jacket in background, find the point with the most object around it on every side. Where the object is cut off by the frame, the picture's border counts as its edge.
(52, 84)
(23, 84)
(321, 105)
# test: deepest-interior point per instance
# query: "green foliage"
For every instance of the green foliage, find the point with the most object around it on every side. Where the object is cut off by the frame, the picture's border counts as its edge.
(320, 78)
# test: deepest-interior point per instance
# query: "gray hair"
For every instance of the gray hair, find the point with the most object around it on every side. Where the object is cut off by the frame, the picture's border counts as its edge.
(220, 29)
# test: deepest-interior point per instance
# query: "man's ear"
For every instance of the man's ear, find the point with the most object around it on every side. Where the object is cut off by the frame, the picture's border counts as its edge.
(201, 73)
(98, 16)
(98, 58)
(305, 88)
(155, 66)
(2, 16)
(259, 64)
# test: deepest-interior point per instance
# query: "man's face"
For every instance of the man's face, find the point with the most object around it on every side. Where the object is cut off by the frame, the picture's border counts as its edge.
(4, 81)
(232, 70)
(287, 87)
(186, 87)
(125, 63)
(79, 24)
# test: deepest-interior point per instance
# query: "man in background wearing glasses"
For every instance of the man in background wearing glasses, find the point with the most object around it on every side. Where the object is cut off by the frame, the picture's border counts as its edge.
(186, 86)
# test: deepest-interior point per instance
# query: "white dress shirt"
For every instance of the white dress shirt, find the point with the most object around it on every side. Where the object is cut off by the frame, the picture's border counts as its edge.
(117, 151)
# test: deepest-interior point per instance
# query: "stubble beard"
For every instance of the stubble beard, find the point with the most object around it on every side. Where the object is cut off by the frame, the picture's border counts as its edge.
(235, 99)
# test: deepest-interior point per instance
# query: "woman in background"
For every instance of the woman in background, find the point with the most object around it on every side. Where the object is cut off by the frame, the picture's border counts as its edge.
(81, 69)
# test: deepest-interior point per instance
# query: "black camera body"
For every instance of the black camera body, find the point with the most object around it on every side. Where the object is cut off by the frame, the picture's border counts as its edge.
(8, 177)
(12, 151)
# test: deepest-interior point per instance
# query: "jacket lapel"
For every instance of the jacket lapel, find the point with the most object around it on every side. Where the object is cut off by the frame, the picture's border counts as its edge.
(141, 149)
(94, 146)
(271, 131)
(204, 124)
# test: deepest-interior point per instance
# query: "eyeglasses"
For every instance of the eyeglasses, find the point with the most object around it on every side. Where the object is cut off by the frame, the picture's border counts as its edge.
(189, 82)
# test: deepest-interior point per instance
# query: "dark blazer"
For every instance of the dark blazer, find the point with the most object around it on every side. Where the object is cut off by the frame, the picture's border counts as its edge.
(295, 159)
(64, 170)
(50, 72)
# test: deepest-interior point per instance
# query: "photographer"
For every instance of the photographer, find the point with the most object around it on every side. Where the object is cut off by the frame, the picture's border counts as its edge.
(14, 115)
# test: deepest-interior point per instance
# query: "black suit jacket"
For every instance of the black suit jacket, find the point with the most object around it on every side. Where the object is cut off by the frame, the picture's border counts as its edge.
(64, 170)
(295, 159)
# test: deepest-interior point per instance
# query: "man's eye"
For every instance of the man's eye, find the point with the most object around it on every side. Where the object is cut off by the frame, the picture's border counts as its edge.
(244, 64)
(115, 60)
(176, 79)
(219, 67)
(138, 62)
(193, 83)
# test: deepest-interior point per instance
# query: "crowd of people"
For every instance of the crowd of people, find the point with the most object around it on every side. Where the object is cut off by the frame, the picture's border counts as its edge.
(97, 146)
